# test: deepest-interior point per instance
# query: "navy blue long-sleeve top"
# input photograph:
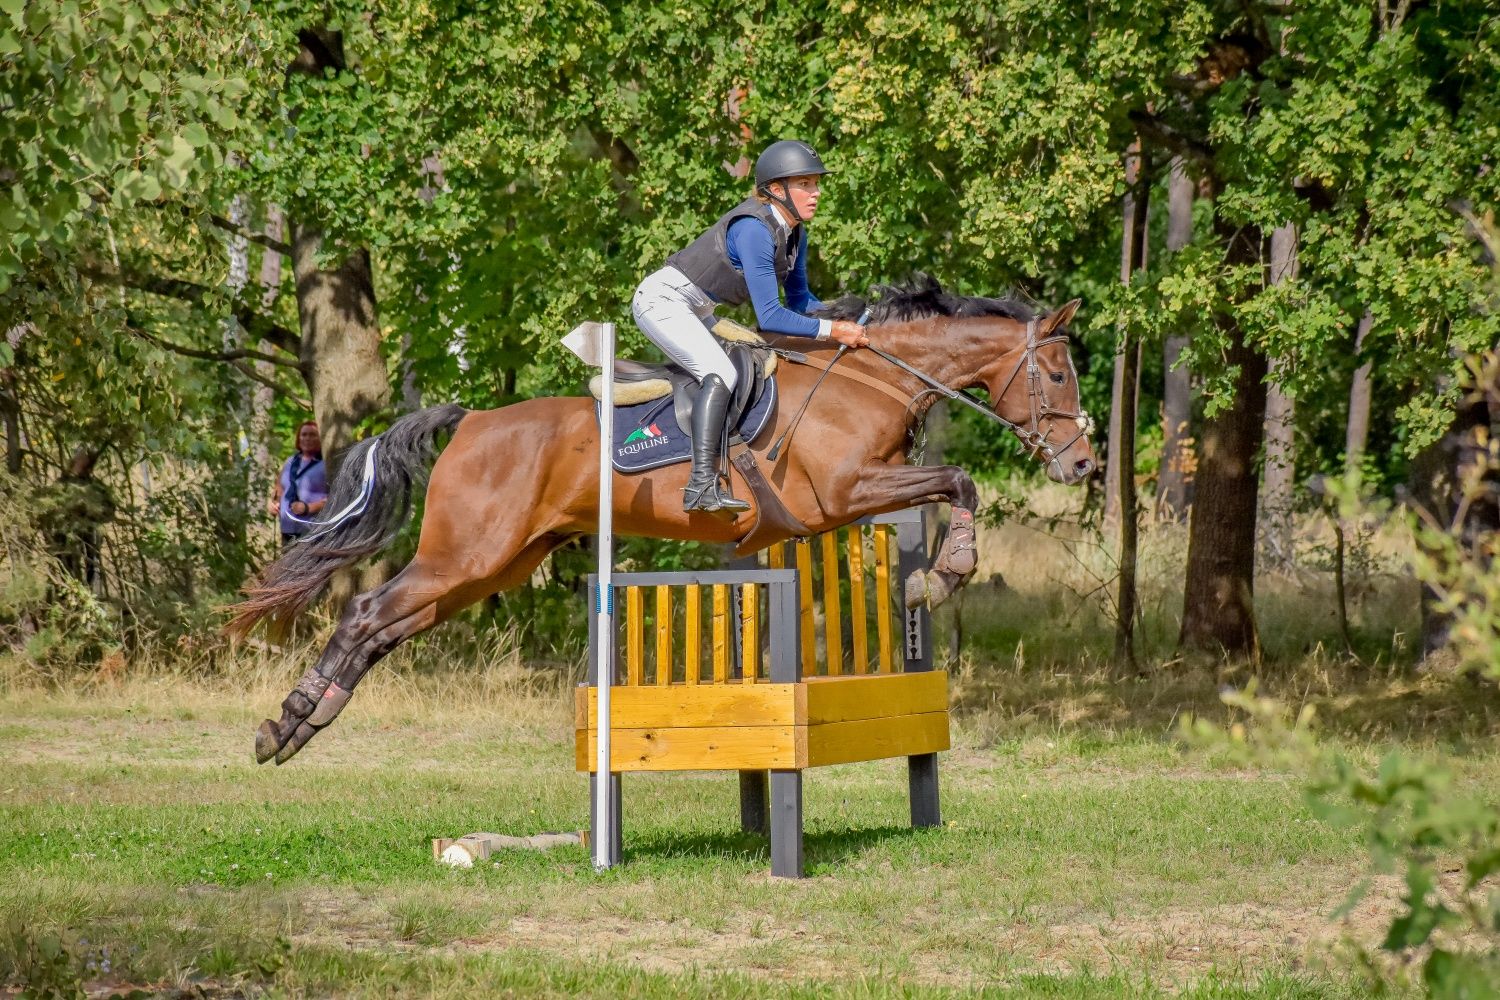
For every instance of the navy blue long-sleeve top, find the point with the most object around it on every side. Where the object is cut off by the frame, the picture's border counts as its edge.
(752, 249)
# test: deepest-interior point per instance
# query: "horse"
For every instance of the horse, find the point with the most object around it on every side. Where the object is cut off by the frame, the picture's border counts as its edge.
(514, 483)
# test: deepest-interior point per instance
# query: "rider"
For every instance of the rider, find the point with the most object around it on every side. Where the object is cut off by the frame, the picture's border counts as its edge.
(754, 251)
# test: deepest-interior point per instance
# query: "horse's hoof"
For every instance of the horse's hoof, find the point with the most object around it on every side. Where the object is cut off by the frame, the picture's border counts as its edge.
(299, 740)
(940, 587)
(267, 741)
(916, 590)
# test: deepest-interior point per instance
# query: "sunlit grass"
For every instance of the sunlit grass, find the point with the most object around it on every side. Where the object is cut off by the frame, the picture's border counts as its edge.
(1085, 853)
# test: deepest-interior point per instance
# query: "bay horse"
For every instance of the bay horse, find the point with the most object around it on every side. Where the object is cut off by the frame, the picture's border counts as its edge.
(514, 483)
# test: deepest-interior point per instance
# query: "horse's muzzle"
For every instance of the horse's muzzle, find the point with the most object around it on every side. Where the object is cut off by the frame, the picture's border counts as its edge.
(1070, 475)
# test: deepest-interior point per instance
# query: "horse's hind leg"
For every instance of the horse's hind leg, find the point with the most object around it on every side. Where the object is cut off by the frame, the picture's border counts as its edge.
(373, 624)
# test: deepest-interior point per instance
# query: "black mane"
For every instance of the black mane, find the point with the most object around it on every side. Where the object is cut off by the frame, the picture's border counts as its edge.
(920, 298)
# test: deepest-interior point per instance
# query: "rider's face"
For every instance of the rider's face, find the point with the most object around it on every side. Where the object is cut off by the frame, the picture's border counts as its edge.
(803, 192)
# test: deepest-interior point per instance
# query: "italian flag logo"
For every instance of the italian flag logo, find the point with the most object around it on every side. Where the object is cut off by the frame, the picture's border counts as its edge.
(643, 433)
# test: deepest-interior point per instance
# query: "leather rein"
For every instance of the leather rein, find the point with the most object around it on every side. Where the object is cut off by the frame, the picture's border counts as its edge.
(1040, 408)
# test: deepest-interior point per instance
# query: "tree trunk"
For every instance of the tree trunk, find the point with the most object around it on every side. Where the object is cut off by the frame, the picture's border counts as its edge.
(340, 341)
(10, 402)
(1174, 477)
(264, 398)
(1218, 612)
(1358, 431)
(1281, 459)
(233, 334)
(340, 332)
(340, 355)
(1115, 453)
(1132, 258)
(10, 412)
(1455, 480)
(230, 519)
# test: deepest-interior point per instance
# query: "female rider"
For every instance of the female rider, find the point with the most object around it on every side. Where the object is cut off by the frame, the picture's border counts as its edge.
(757, 249)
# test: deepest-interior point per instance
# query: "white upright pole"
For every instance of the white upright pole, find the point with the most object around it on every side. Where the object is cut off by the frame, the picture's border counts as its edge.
(604, 607)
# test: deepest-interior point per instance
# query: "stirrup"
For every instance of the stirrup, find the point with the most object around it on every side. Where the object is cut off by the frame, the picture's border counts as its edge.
(709, 500)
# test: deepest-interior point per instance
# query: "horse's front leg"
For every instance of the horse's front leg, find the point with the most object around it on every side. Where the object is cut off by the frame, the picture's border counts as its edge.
(885, 487)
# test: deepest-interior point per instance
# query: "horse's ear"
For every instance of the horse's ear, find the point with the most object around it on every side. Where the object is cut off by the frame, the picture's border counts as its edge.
(1060, 318)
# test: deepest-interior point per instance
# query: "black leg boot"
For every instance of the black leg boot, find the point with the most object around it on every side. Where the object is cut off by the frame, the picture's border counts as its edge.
(709, 411)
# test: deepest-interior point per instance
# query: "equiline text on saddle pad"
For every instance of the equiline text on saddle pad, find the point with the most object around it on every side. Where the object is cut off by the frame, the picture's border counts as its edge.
(647, 435)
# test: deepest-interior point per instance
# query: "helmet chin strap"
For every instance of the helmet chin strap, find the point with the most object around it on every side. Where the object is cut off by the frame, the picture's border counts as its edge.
(785, 202)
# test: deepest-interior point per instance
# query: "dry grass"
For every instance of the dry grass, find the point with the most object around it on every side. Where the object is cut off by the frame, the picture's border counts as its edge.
(428, 677)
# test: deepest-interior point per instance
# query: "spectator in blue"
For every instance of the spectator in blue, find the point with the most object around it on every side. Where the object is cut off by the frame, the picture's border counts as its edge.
(755, 251)
(302, 488)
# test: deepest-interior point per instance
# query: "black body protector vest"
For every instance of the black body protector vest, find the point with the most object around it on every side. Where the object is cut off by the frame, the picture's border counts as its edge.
(706, 263)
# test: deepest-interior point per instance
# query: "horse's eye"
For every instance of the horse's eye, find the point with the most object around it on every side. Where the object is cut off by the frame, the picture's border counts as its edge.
(1059, 377)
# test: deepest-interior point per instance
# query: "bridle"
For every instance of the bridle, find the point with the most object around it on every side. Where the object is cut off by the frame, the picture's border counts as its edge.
(1038, 405)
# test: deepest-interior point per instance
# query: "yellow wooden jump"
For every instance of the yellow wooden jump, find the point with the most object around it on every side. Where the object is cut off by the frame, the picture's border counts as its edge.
(847, 706)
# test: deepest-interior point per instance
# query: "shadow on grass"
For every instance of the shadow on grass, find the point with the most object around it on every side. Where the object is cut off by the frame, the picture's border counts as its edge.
(1350, 699)
(820, 850)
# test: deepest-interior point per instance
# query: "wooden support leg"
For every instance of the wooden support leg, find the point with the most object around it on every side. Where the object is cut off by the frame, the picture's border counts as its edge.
(615, 837)
(786, 824)
(755, 807)
(922, 771)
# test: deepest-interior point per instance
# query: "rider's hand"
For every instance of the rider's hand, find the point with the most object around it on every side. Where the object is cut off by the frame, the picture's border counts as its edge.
(849, 334)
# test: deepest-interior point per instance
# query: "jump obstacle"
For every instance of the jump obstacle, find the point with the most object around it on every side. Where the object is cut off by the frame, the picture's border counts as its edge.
(770, 706)
(791, 678)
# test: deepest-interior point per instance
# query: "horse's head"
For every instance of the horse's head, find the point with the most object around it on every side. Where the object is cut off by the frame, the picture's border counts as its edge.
(1034, 386)
(969, 341)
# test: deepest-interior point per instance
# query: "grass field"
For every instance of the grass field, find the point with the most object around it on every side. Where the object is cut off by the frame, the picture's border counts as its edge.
(1086, 853)
(1077, 860)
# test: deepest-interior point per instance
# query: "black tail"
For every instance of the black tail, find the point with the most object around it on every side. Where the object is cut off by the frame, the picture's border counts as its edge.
(368, 503)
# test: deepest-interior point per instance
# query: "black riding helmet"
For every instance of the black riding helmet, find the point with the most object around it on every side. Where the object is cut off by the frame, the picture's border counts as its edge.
(780, 160)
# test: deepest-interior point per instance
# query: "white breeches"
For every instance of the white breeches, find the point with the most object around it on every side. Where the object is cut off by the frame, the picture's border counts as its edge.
(675, 315)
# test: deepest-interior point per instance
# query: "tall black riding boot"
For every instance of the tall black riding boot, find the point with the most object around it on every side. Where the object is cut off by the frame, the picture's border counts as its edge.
(709, 411)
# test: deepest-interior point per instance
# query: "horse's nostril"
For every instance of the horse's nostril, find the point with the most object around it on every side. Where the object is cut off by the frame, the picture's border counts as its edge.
(1083, 467)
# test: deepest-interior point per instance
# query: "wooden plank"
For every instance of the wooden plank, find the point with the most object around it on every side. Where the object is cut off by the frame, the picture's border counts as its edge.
(874, 739)
(721, 633)
(883, 597)
(874, 696)
(833, 619)
(776, 556)
(685, 707)
(805, 596)
(664, 627)
(635, 636)
(749, 632)
(859, 627)
(692, 640)
(817, 701)
(732, 748)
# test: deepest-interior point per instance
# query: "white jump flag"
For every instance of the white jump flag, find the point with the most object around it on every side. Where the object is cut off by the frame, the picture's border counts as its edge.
(594, 343)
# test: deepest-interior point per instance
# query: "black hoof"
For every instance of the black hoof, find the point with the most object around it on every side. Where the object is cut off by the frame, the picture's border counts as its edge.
(299, 740)
(267, 741)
